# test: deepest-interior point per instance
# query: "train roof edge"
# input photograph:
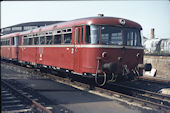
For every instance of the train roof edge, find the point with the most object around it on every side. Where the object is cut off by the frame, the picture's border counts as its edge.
(87, 20)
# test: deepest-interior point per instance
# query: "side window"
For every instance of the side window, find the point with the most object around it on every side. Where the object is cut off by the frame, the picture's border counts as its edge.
(88, 37)
(92, 34)
(82, 35)
(78, 37)
(25, 41)
(30, 41)
(16, 40)
(36, 40)
(12, 41)
(48, 40)
(8, 42)
(57, 39)
(67, 38)
(42, 40)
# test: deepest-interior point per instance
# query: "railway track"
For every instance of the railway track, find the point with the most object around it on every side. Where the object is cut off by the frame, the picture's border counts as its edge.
(11, 102)
(144, 98)
(154, 80)
(15, 100)
(143, 94)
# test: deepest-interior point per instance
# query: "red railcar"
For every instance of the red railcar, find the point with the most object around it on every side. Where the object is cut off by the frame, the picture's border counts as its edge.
(9, 46)
(93, 46)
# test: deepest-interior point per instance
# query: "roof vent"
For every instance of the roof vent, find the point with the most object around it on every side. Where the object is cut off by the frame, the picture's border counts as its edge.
(101, 15)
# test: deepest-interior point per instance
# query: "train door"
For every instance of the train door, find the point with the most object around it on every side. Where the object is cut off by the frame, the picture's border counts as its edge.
(78, 39)
(16, 44)
(10, 48)
(20, 48)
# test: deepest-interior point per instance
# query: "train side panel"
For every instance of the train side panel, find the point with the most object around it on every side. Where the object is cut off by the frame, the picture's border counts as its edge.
(5, 52)
(14, 52)
(28, 54)
(55, 56)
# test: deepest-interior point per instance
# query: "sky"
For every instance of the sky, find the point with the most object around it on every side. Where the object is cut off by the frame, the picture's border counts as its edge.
(150, 14)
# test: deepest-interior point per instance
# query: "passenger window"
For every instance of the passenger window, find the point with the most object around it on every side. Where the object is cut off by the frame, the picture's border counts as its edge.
(42, 40)
(57, 39)
(48, 40)
(36, 41)
(25, 41)
(30, 41)
(12, 41)
(67, 38)
(69, 30)
(78, 35)
(82, 35)
(16, 41)
(88, 37)
(92, 34)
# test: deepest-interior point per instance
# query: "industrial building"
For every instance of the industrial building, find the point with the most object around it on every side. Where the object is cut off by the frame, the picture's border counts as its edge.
(157, 46)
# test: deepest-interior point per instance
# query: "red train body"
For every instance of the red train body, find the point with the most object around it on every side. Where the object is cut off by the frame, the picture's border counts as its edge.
(90, 46)
(9, 46)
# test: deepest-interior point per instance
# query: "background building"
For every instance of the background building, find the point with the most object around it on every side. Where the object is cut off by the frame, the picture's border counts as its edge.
(26, 26)
(157, 46)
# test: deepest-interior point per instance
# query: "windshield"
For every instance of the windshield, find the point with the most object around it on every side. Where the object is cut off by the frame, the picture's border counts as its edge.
(132, 37)
(111, 35)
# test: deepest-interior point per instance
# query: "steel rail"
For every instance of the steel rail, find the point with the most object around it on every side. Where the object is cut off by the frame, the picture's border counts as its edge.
(148, 94)
(35, 106)
(161, 96)
(154, 80)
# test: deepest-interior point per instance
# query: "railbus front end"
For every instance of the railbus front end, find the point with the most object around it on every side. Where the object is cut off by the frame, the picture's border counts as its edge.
(113, 53)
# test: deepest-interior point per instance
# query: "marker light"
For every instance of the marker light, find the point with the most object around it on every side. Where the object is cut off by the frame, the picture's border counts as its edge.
(122, 21)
